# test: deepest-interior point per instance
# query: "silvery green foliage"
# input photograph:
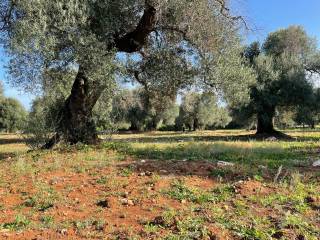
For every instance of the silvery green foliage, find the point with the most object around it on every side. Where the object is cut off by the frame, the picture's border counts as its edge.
(57, 35)
(60, 34)
(200, 111)
(281, 67)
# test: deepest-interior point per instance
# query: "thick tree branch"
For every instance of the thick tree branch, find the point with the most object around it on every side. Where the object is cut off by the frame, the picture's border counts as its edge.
(135, 40)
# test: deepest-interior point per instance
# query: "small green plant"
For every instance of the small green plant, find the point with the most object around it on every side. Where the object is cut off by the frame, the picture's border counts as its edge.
(221, 172)
(102, 180)
(97, 224)
(180, 191)
(189, 228)
(20, 222)
(44, 198)
(223, 193)
(47, 220)
(126, 172)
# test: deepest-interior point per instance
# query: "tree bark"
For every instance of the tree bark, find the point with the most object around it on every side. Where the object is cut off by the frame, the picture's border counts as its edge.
(195, 124)
(265, 121)
(77, 124)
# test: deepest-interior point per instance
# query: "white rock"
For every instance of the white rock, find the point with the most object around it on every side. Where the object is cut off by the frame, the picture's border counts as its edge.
(223, 164)
(262, 167)
(316, 164)
(271, 139)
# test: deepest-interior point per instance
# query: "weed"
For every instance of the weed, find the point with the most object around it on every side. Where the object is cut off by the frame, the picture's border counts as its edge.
(180, 191)
(44, 198)
(47, 221)
(20, 222)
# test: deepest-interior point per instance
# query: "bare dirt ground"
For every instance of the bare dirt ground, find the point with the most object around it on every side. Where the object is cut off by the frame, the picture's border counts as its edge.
(160, 190)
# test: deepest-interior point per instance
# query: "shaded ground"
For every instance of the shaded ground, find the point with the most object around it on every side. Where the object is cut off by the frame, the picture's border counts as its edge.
(213, 136)
(162, 190)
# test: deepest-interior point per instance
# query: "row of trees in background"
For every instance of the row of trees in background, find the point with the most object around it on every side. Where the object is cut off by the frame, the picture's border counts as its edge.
(13, 116)
(132, 110)
(76, 53)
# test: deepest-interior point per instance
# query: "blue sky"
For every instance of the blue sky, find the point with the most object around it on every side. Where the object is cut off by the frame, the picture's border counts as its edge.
(263, 16)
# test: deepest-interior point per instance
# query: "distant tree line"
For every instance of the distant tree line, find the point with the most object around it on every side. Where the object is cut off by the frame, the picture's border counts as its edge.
(12, 114)
(281, 94)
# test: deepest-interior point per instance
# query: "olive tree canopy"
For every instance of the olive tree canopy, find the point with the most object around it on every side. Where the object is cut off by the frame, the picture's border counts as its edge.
(197, 39)
(283, 66)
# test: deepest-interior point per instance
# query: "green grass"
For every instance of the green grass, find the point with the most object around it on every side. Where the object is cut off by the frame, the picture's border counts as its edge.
(195, 146)
(285, 209)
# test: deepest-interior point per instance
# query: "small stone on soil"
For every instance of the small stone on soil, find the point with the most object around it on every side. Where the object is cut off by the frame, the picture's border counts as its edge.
(127, 202)
(63, 231)
(316, 164)
(104, 204)
(224, 164)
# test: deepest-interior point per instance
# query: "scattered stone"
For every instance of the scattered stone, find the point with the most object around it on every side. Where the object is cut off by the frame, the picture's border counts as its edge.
(159, 220)
(271, 139)
(143, 161)
(278, 235)
(183, 201)
(104, 204)
(142, 174)
(224, 164)
(63, 231)
(149, 173)
(127, 202)
(262, 167)
(55, 180)
(316, 164)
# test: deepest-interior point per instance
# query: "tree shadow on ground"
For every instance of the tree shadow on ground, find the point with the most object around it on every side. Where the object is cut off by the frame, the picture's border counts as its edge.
(215, 170)
(15, 140)
(226, 138)
(7, 155)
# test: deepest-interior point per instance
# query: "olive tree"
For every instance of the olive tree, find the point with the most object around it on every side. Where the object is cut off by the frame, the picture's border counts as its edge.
(12, 115)
(201, 110)
(87, 36)
(282, 68)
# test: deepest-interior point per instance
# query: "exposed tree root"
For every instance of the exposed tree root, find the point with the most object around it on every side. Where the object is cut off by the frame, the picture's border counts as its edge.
(277, 134)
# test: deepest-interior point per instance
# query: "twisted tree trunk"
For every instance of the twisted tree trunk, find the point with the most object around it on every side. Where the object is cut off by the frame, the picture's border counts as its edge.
(265, 121)
(75, 122)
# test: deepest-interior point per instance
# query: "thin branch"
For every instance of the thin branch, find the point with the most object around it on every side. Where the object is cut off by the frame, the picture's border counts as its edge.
(225, 11)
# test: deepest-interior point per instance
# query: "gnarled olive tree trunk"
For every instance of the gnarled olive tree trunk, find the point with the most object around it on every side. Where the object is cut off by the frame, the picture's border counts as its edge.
(265, 121)
(75, 123)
